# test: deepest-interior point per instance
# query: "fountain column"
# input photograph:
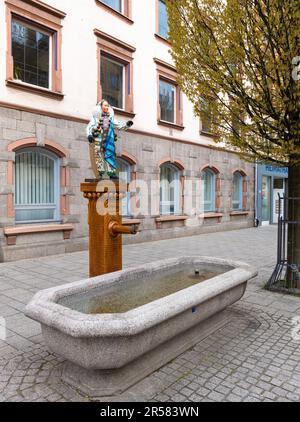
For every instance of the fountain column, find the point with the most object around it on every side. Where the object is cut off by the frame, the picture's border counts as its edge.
(105, 225)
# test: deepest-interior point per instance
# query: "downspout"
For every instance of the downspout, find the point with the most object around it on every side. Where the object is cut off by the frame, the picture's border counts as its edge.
(256, 220)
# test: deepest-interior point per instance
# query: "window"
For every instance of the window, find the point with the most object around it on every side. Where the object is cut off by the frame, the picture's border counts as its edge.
(124, 171)
(169, 190)
(112, 82)
(114, 4)
(36, 185)
(237, 196)
(120, 8)
(115, 83)
(167, 101)
(208, 180)
(163, 26)
(206, 116)
(169, 96)
(31, 54)
(34, 48)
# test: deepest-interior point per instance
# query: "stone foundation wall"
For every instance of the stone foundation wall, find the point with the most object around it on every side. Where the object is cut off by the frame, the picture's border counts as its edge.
(147, 152)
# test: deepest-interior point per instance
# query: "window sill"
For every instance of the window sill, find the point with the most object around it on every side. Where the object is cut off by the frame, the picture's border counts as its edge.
(115, 12)
(171, 125)
(131, 221)
(208, 134)
(168, 218)
(34, 89)
(211, 215)
(124, 113)
(161, 38)
(233, 213)
(11, 233)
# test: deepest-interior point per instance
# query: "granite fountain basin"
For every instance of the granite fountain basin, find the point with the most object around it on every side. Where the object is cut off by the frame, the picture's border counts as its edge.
(116, 329)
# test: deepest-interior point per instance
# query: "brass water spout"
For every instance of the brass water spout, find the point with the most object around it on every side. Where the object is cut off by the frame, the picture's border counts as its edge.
(115, 229)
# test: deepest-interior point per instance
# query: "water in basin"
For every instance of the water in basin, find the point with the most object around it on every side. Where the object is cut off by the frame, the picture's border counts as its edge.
(124, 296)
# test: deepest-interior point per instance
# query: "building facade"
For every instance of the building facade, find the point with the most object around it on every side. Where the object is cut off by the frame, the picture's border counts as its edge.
(57, 60)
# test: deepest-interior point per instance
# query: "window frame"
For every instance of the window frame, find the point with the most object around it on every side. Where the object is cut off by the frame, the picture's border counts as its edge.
(241, 192)
(177, 191)
(45, 32)
(168, 73)
(126, 201)
(175, 100)
(47, 19)
(213, 190)
(56, 205)
(122, 53)
(157, 33)
(118, 62)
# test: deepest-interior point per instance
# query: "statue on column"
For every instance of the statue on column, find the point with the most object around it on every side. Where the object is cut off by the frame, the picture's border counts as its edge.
(102, 138)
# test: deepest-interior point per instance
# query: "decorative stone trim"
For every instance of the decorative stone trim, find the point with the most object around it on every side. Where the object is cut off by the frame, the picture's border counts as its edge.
(11, 233)
(209, 134)
(162, 39)
(131, 221)
(210, 215)
(122, 52)
(234, 213)
(126, 16)
(64, 172)
(35, 90)
(169, 218)
(171, 125)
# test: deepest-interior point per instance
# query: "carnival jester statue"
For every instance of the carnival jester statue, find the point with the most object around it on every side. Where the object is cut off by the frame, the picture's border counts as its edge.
(101, 136)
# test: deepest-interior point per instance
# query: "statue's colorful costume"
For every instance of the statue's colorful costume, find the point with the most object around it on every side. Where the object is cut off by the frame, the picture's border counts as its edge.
(102, 138)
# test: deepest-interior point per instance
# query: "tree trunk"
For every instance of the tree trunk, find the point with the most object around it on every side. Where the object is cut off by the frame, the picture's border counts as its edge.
(293, 245)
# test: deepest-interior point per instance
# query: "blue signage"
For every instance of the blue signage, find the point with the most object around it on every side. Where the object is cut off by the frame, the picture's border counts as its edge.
(284, 171)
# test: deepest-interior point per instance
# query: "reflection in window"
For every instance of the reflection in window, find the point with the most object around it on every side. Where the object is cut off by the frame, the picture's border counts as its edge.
(36, 185)
(31, 54)
(167, 94)
(163, 26)
(237, 196)
(169, 190)
(114, 4)
(209, 190)
(112, 76)
(124, 172)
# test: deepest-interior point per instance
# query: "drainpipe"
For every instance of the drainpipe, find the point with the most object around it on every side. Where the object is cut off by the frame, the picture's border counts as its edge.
(256, 220)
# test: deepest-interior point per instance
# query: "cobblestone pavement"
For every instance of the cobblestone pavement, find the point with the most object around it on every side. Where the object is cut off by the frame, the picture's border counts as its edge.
(252, 358)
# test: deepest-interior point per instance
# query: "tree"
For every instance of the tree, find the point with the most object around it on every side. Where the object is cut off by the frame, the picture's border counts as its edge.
(245, 56)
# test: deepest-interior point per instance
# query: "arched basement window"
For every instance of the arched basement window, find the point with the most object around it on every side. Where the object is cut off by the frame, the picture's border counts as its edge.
(237, 194)
(208, 181)
(124, 172)
(169, 189)
(36, 185)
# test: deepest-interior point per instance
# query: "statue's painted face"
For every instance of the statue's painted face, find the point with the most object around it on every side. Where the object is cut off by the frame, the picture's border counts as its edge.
(105, 107)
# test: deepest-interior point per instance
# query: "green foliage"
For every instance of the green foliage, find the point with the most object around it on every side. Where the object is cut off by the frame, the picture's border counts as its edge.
(241, 54)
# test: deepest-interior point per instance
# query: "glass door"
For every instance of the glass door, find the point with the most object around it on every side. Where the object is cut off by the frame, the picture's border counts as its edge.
(266, 200)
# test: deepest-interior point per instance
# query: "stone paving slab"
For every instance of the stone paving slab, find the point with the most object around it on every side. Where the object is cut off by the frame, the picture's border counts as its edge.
(252, 358)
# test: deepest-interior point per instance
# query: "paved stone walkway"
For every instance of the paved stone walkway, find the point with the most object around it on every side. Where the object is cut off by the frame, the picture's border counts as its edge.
(252, 358)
